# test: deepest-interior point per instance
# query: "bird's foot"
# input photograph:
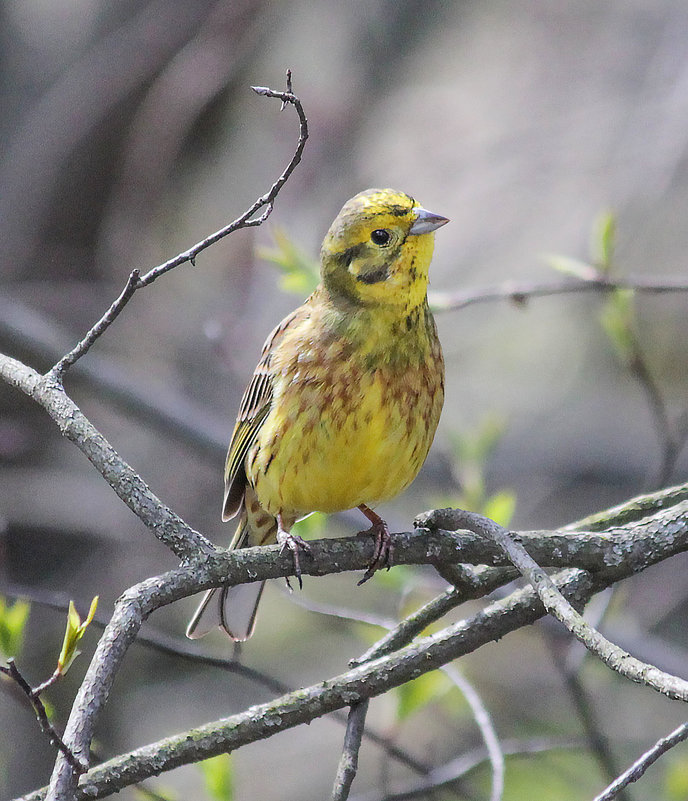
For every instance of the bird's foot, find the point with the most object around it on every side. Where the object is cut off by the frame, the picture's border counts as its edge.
(382, 555)
(295, 544)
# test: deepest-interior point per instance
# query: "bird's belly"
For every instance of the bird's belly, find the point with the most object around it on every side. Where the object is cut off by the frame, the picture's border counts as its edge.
(363, 442)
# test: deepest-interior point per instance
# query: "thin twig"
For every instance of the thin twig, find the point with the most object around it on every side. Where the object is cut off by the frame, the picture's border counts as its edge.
(184, 649)
(598, 743)
(519, 292)
(348, 762)
(246, 220)
(483, 720)
(448, 775)
(639, 767)
(47, 727)
(57, 372)
(265, 202)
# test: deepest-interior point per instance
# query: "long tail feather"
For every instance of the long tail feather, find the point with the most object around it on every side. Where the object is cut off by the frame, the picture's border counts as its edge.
(234, 609)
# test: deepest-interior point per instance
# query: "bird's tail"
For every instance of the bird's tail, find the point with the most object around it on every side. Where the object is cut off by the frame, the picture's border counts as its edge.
(234, 608)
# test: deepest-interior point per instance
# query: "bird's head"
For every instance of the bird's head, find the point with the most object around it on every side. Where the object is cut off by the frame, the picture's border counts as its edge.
(378, 250)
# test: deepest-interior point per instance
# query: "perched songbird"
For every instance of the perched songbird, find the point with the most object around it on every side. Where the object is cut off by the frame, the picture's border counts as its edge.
(343, 405)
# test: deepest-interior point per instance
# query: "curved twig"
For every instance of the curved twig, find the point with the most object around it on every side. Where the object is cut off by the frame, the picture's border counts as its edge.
(613, 656)
(246, 220)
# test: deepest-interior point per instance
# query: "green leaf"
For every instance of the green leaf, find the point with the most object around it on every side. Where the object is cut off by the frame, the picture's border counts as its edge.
(416, 694)
(73, 633)
(398, 579)
(566, 265)
(312, 527)
(676, 780)
(300, 273)
(162, 793)
(617, 318)
(218, 775)
(500, 507)
(479, 444)
(604, 241)
(12, 625)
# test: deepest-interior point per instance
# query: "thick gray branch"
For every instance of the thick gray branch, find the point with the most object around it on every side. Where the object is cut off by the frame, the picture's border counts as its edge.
(365, 681)
(645, 532)
(165, 524)
(613, 656)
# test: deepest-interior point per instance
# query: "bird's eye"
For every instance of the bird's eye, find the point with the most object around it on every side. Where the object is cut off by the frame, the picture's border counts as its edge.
(380, 237)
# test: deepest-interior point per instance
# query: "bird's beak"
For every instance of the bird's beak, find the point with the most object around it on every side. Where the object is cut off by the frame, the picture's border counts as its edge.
(426, 221)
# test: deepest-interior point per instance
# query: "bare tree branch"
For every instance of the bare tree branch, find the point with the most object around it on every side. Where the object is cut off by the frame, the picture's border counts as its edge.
(365, 681)
(639, 767)
(187, 650)
(519, 292)
(245, 220)
(34, 697)
(348, 762)
(613, 656)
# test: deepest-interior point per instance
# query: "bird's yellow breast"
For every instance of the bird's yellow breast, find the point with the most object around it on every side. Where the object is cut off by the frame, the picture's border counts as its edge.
(346, 427)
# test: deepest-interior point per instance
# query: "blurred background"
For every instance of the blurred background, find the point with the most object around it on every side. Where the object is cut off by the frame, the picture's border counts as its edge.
(129, 132)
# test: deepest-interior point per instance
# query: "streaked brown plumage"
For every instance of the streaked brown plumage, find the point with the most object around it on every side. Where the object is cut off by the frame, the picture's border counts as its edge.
(343, 405)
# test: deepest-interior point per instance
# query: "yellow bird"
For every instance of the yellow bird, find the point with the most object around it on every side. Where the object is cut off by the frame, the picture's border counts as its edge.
(343, 405)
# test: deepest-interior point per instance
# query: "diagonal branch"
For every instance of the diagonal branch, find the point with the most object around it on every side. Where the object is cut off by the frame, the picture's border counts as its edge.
(33, 696)
(365, 681)
(264, 720)
(264, 204)
(612, 655)
(57, 372)
(167, 526)
(639, 767)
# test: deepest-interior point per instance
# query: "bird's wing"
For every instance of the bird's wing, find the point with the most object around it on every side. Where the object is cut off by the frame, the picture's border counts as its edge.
(254, 408)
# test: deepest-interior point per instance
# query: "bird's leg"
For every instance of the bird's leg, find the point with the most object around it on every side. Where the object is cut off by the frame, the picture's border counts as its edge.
(382, 555)
(295, 543)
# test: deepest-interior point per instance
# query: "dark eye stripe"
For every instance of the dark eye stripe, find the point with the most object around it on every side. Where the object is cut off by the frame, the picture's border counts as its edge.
(348, 255)
(374, 276)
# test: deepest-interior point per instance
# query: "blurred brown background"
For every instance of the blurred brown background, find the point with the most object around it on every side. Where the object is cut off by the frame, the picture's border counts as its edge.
(128, 132)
